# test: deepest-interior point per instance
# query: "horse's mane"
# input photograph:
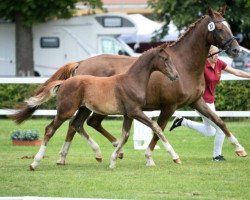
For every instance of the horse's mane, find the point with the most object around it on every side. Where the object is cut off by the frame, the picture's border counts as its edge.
(162, 46)
(147, 55)
(191, 27)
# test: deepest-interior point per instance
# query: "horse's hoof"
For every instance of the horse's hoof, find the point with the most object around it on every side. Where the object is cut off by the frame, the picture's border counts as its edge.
(150, 163)
(59, 162)
(112, 166)
(241, 153)
(99, 160)
(31, 168)
(177, 161)
(120, 156)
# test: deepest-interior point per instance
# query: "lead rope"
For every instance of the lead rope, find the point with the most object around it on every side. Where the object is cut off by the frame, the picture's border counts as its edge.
(211, 55)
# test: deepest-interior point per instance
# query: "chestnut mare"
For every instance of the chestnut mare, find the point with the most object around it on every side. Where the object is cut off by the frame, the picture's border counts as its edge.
(121, 94)
(188, 54)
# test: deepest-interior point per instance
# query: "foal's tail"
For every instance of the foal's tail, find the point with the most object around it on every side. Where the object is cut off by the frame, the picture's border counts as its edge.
(44, 92)
(32, 104)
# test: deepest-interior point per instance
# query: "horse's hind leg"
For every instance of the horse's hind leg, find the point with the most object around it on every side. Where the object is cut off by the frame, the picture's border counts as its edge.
(77, 125)
(140, 116)
(95, 121)
(216, 121)
(49, 132)
(127, 122)
(65, 148)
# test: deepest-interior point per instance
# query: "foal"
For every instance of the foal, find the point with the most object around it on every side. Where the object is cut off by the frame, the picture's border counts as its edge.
(121, 94)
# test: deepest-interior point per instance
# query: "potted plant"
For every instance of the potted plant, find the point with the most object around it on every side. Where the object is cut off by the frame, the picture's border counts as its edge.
(25, 137)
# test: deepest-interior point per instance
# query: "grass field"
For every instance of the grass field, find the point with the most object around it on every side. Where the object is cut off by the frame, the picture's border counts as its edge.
(196, 178)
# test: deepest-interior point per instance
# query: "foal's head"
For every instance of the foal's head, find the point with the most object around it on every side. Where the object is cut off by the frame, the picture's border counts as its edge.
(163, 63)
(221, 33)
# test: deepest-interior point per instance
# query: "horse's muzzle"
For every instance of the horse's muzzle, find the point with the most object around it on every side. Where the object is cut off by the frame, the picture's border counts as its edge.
(173, 78)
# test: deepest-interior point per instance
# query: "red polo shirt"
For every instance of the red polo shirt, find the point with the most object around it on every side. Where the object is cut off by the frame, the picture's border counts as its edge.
(212, 78)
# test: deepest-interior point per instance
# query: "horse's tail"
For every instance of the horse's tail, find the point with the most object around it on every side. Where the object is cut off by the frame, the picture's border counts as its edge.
(34, 102)
(65, 72)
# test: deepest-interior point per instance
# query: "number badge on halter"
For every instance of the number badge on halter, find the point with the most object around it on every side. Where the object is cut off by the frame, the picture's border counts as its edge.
(211, 26)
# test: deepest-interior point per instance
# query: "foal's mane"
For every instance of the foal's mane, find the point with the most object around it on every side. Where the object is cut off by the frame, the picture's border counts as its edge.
(156, 49)
(147, 55)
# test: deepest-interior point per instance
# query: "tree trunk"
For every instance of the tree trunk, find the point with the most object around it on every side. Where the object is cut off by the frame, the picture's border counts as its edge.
(24, 48)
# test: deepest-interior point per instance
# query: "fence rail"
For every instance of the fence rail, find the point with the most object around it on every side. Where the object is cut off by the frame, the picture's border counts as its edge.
(148, 113)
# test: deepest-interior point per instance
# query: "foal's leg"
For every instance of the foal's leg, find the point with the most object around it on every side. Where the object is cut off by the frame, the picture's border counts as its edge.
(127, 122)
(140, 116)
(65, 148)
(202, 107)
(95, 121)
(49, 132)
(162, 121)
(69, 137)
(77, 124)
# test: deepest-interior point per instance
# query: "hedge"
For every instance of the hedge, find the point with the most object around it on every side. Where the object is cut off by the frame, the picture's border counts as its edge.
(230, 95)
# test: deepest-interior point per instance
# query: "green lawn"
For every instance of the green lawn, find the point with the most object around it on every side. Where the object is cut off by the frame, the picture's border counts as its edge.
(196, 178)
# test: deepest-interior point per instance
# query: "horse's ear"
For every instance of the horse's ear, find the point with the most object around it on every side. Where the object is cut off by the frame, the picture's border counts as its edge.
(210, 12)
(222, 10)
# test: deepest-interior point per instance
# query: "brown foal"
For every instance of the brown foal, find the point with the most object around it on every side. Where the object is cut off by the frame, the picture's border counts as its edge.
(121, 94)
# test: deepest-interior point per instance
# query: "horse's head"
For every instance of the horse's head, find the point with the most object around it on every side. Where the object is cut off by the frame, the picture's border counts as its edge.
(163, 63)
(221, 33)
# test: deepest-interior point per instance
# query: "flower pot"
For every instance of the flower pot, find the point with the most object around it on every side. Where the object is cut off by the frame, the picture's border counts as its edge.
(26, 143)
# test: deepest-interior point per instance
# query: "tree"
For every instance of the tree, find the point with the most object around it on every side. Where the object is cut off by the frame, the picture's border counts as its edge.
(183, 13)
(26, 13)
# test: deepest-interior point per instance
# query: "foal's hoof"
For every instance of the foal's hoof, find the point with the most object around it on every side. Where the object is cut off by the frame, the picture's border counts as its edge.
(31, 168)
(60, 162)
(120, 156)
(99, 160)
(241, 153)
(177, 161)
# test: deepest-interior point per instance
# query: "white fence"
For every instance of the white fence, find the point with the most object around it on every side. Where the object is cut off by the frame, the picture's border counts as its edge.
(33, 80)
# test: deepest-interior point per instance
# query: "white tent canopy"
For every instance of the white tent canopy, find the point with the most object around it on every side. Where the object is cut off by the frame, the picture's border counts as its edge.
(147, 29)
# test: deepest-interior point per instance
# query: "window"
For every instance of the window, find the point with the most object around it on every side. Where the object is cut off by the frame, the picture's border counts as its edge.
(112, 22)
(110, 46)
(49, 42)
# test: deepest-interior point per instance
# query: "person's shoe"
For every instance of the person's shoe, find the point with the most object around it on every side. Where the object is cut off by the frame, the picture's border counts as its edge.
(219, 158)
(177, 122)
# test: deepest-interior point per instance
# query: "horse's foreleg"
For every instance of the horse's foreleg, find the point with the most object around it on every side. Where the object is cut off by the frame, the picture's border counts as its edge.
(49, 132)
(216, 121)
(162, 121)
(127, 122)
(140, 116)
(77, 125)
(95, 121)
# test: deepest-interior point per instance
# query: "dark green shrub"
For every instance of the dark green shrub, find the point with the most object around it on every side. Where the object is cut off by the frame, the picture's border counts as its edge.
(12, 95)
(233, 95)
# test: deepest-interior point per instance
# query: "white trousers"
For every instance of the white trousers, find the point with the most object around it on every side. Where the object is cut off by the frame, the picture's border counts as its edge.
(208, 128)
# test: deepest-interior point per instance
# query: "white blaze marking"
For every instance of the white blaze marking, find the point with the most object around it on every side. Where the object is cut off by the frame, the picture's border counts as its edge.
(226, 24)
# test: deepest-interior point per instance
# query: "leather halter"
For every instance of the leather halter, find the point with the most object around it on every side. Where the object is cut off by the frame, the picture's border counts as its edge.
(226, 44)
